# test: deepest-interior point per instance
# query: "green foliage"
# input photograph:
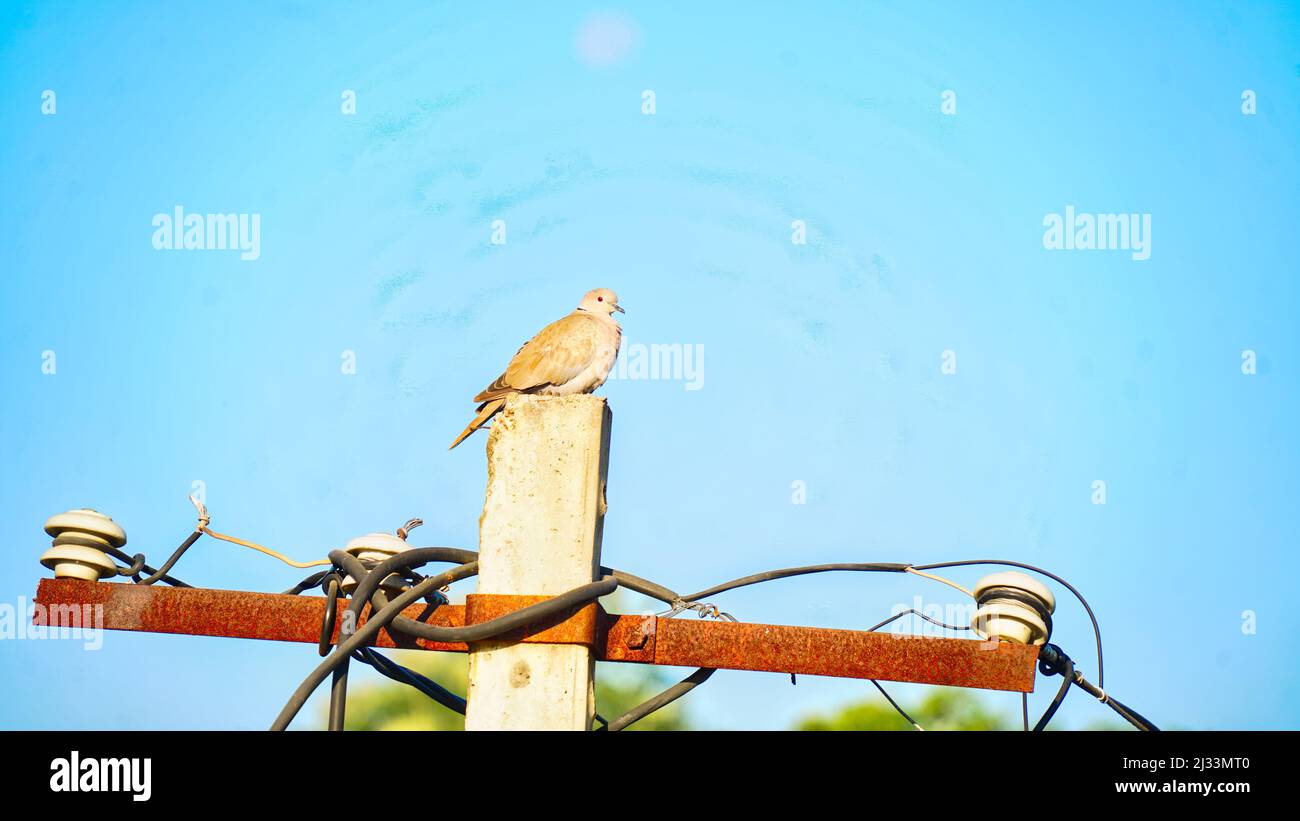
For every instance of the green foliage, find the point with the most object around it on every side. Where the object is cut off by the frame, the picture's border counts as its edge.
(387, 705)
(620, 687)
(942, 709)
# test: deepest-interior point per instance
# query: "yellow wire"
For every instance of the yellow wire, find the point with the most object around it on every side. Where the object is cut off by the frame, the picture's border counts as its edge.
(941, 579)
(268, 551)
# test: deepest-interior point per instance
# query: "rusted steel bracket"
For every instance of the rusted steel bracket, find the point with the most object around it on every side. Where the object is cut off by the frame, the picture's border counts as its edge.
(198, 611)
(818, 651)
(631, 638)
(680, 642)
(576, 625)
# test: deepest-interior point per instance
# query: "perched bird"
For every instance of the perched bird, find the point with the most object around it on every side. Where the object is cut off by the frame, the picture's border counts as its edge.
(571, 355)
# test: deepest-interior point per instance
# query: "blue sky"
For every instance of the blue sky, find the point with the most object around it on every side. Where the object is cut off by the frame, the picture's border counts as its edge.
(822, 360)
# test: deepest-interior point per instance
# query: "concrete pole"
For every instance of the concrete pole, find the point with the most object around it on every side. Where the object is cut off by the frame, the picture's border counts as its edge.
(540, 534)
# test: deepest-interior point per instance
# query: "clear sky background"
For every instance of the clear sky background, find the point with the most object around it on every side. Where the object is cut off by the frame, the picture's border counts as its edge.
(822, 361)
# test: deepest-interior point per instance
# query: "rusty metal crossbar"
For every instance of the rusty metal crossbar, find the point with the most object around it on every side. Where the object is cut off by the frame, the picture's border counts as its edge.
(725, 645)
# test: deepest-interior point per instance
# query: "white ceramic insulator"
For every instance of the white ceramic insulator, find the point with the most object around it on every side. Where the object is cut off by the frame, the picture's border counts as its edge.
(373, 548)
(82, 538)
(1008, 619)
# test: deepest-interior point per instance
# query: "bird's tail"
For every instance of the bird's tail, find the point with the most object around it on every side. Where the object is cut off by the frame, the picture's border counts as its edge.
(486, 413)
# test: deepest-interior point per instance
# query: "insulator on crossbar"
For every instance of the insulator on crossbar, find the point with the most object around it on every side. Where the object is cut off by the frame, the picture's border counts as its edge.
(1013, 607)
(371, 549)
(82, 538)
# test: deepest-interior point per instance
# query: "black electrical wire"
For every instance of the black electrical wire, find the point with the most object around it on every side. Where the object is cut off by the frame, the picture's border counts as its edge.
(368, 579)
(411, 627)
(1130, 715)
(308, 583)
(357, 570)
(405, 675)
(902, 568)
(367, 589)
(380, 663)
(360, 638)
(771, 575)
(330, 619)
(411, 577)
(144, 568)
(1066, 670)
(627, 580)
(1052, 660)
(914, 612)
(367, 586)
(339, 683)
(171, 560)
(137, 564)
(910, 611)
(338, 697)
(1124, 712)
(475, 632)
(468, 633)
(666, 595)
(403, 561)
(1096, 628)
(639, 585)
(660, 701)
(424, 684)
(894, 704)
(502, 624)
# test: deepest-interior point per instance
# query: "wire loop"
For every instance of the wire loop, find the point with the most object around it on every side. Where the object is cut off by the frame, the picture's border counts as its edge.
(705, 609)
(331, 585)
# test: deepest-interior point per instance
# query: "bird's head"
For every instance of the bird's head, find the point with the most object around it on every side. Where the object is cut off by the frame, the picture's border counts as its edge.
(602, 302)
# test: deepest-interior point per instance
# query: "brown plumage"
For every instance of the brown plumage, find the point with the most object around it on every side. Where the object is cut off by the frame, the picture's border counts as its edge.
(571, 355)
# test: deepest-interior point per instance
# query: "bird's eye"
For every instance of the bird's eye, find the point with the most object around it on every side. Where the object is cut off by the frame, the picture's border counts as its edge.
(600, 299)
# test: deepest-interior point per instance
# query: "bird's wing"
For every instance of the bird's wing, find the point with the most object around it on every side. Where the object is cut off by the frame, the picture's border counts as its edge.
(560, 352)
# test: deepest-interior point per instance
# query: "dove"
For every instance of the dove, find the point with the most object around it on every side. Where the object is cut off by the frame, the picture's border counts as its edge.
(571, 355)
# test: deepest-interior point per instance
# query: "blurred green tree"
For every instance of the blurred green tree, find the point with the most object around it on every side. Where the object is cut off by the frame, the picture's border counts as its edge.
(942, 709)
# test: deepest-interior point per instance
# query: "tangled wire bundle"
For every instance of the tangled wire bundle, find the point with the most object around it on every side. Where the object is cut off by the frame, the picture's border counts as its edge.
(356, 643)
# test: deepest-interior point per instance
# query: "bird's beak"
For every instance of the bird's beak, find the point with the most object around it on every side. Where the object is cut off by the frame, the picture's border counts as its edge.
(619, 308)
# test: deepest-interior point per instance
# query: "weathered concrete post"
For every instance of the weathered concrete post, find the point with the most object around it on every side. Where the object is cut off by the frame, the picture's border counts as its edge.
(540, 534)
